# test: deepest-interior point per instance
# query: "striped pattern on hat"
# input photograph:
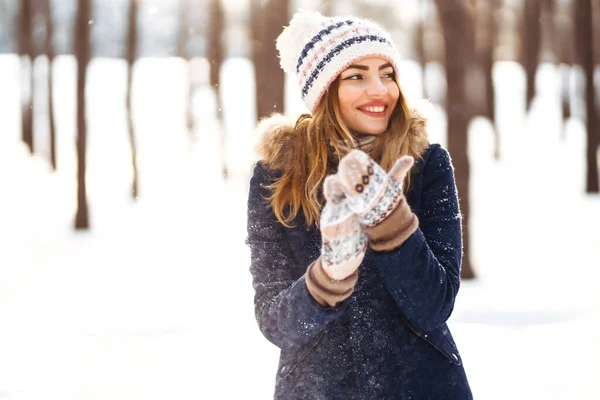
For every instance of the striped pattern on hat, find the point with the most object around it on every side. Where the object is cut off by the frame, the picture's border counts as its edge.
(318, 48)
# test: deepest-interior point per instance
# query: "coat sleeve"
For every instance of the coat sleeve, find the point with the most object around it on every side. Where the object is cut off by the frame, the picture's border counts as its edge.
(287, 314)
(423, 274)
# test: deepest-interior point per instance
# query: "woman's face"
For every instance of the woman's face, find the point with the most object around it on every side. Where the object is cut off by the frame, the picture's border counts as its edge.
(368, 94)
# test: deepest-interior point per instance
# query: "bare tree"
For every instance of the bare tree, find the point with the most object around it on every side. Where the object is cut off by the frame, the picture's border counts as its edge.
(548, 25)
(551, 32)
(563, 43)
(184, 26)
(596, 30)
(486, 55)
(216, 55)
(486, 39)
(266, 23)
(49, 50)
(327, 7)
(585, 49)
(82, 54)
(130, 57)
(257, 48)
(428, 42)
(26, 50)
(184, 33)
(458, 27)
(531, 41)
(419, 42)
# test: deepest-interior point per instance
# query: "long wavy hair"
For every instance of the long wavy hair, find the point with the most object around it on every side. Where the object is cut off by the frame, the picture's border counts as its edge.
(320, 140)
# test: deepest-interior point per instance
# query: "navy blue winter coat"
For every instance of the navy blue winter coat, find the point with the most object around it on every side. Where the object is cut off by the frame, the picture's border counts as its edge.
(389, 339)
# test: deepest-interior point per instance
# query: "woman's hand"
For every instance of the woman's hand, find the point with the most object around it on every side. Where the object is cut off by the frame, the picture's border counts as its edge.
(343, 241)
(371, 193)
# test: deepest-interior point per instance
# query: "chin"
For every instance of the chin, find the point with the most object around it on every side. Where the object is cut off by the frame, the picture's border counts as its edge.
(374, 131)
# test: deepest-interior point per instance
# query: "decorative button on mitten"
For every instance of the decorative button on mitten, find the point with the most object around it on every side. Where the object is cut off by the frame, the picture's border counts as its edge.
(370, 192)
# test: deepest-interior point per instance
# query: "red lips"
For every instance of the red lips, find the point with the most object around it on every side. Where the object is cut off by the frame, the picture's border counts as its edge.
(375, 103)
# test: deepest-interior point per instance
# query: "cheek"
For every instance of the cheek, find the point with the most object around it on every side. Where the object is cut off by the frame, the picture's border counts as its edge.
(346, 99)
(394, 92)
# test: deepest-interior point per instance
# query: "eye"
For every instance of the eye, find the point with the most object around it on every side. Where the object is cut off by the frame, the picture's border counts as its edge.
(353, 77)
(389, 75)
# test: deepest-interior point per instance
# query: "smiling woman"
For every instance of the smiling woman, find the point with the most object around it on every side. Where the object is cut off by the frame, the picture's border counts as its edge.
(367, 95)
(354, 227)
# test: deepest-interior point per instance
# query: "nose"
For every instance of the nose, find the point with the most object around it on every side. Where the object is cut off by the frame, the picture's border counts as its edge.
(376, 88)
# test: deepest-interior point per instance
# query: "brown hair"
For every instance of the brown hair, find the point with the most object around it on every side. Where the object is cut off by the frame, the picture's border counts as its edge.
(319, 141)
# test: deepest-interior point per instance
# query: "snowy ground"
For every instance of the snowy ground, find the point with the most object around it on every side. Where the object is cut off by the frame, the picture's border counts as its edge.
(156, 302)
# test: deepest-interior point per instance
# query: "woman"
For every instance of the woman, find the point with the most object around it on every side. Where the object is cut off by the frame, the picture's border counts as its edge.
(355, 269)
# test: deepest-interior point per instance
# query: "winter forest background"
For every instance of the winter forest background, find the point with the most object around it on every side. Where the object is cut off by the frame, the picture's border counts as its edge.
(124, 176)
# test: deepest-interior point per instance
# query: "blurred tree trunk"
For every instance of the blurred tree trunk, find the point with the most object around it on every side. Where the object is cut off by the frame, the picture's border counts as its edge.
(216, 55)
(550, 38)
(82, 55)
(256, 29)
(130, 57)
(184, 26)
(49, 50)
(26, 51)
(531, 40)
(564, 40)
(486, 35)
(420, 44)
(596, 30)
(585, 49)
(182, 39)
(458, 27)
(548, 25)
(267, 21)
(327, 8)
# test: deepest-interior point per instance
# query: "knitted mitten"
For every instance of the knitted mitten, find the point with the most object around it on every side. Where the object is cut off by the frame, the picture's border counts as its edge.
(371, 193)
(343, 242)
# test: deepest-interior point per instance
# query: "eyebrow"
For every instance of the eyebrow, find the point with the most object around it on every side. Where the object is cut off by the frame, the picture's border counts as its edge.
(366, 68)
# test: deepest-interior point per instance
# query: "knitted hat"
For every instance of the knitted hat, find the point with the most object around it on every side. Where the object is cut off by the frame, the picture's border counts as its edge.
(318, 48)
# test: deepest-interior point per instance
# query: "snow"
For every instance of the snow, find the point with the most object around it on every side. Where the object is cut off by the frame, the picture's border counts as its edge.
(156, 300)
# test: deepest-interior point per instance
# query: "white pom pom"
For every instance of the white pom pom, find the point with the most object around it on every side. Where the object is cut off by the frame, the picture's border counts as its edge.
(290, 43)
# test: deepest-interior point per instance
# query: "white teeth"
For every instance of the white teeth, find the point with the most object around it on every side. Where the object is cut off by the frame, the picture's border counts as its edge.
(374, 109)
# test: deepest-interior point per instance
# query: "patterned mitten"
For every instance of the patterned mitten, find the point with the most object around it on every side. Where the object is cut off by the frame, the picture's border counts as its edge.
(371, 193)
(343, 241)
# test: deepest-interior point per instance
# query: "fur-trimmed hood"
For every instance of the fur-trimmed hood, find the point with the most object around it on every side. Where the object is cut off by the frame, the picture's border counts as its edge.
(275, 136)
